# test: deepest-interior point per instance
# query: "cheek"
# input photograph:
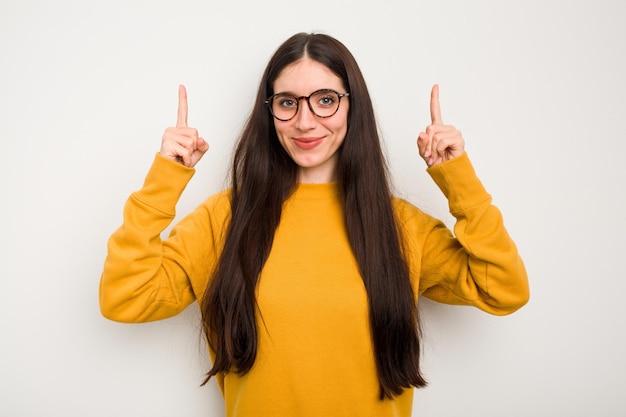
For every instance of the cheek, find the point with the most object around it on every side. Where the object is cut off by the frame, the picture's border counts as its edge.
(277, 129)
(280, 133)
(340, 125)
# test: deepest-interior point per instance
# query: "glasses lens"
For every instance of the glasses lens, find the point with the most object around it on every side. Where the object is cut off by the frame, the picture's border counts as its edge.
(284, 106)
(325, 103)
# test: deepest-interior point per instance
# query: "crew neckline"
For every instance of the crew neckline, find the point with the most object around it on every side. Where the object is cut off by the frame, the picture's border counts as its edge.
(316, 191)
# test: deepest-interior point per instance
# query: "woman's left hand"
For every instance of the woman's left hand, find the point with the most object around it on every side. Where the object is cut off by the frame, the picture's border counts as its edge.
(440, 142)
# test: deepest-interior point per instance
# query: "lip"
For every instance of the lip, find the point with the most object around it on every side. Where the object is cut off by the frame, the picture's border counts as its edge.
(307, 143)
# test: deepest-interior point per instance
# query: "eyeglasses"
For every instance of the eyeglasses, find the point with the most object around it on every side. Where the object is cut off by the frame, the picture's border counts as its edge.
(323, 103)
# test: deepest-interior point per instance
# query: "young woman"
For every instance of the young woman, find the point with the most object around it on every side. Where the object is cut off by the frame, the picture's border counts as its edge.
(308, 270)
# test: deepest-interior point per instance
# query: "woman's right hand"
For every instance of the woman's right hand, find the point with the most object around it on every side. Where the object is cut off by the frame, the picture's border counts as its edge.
(439, 142)
(182, 143)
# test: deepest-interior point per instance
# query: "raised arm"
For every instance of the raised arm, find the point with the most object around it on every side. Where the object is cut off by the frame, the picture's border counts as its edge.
(144, 277)
(479, 265)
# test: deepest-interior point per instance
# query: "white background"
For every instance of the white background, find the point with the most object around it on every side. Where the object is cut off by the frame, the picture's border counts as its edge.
(537, 88)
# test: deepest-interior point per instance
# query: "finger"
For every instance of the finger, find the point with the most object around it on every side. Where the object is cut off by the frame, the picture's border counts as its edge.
(433, 132)
(176, 152)
(435, 109)
(182, 107)
(442, 140)
(186, 136)
(201, 147)
(448, 145)
(178, 141)
(423, 141)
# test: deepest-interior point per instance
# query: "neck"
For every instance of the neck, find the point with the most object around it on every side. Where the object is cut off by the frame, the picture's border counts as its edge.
(316, 175)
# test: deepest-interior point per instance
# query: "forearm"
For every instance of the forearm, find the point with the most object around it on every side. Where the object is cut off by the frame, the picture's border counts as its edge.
(140, 282)
(481, 265)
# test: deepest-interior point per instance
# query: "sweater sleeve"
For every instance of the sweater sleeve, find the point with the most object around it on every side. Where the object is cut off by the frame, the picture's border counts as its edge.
(480, 264)
(146, 278)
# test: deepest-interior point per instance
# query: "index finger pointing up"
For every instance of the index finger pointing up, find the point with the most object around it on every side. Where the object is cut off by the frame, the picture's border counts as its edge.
(435, 110)
(182, 107)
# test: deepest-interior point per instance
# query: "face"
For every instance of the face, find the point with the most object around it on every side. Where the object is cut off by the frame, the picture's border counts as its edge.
(312, 142)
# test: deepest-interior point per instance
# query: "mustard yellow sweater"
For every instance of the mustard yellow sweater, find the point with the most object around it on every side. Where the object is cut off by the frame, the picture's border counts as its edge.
(315, 354)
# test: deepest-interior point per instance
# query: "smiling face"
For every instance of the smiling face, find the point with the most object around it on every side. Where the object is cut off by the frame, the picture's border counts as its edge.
(312, 142)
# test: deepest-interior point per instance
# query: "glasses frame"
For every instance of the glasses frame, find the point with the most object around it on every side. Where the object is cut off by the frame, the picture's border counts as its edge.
(269, 101)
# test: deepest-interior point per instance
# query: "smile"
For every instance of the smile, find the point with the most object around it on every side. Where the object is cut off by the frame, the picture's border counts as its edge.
(307, 143)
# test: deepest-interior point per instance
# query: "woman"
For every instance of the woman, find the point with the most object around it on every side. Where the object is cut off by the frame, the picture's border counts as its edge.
(307, 270)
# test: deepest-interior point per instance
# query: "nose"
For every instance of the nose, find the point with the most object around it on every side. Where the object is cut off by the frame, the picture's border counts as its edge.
(305, 119)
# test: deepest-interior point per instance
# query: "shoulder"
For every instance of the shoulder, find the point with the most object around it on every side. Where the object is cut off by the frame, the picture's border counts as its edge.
(411, 219)
(219, 199)
(406, 211)
(218, 204)
(211, 217)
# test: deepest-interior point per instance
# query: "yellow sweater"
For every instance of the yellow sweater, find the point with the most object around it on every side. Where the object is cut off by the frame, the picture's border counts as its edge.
(315, 354)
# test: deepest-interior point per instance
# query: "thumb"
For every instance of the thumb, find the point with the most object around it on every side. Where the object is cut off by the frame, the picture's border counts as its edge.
(202, 145)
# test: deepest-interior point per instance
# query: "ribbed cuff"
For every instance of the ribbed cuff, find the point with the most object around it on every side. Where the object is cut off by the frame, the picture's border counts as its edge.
(458, 181)
(164, 184)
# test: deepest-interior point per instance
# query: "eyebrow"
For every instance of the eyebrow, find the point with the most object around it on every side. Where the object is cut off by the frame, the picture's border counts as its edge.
(290, 93)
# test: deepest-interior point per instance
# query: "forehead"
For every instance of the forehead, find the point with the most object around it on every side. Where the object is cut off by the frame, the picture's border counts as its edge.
(305, 76)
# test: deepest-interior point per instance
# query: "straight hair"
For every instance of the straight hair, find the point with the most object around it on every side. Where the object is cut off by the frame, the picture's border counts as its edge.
(263, 176)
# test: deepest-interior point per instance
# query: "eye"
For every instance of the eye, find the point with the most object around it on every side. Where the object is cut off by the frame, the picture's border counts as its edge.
(286, 101)
(326, 99)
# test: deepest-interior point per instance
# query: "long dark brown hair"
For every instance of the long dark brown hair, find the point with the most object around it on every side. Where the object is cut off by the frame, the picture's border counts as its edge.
(263, 176)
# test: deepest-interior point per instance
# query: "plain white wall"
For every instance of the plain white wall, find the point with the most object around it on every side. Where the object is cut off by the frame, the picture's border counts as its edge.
(536, 87)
